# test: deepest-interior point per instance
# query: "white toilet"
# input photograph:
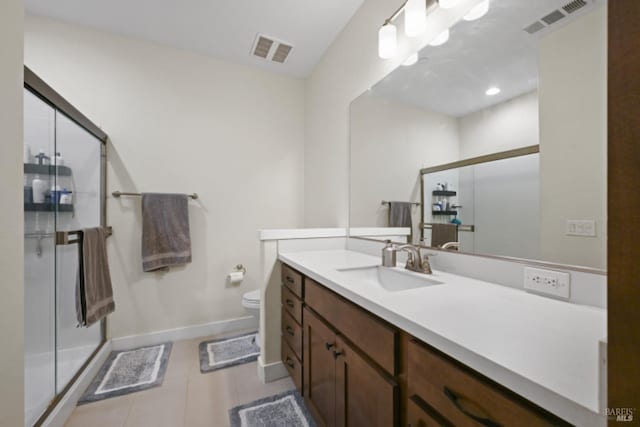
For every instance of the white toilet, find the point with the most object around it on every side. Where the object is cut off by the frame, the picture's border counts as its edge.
(251, 303)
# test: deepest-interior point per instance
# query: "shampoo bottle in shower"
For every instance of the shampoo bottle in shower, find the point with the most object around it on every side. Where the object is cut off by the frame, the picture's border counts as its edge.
(39, 189)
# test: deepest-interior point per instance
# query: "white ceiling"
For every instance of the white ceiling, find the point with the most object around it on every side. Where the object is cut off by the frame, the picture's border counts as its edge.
(219, 28)
(492, 51)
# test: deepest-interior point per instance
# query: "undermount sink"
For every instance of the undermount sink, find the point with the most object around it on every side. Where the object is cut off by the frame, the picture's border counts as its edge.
(392, 279)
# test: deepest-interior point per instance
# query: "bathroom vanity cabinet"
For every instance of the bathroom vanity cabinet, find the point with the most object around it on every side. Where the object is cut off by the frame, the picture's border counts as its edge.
(355, 369)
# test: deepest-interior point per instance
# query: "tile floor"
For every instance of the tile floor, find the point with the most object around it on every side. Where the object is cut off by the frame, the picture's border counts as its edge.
(187, 398)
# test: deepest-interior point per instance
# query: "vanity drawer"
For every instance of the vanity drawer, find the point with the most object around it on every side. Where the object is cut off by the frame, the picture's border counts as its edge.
(292, 304)
(292, 280)
(371, 335)
(465, 398)
(292, 333)
(293, 365)
(419, 414)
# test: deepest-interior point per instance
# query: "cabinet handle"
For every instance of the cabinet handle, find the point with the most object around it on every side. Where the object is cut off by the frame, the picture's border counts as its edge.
(290, 303)
(289, 329)
(337, 354)
(455, 399)
(289, 361)
(328, 346)
(289, 279)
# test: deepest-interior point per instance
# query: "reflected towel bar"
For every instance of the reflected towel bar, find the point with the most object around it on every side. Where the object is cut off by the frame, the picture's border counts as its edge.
(122, 193)
(73, 237)
(384, 202)
(464, 227)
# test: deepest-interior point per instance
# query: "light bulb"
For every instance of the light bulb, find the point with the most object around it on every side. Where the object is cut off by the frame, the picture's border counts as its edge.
(441, 39)
(415, 17)
(448, 4)
(410, 60)
(493, 91)
(478, 11)
(387, 41)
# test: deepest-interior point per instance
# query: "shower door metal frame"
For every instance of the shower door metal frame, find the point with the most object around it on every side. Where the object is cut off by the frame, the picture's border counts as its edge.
(46, 93)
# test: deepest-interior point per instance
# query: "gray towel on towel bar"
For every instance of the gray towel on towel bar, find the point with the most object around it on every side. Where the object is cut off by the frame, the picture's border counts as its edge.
(400, 216)
(166, 240)
(443, 233)
(94, 294)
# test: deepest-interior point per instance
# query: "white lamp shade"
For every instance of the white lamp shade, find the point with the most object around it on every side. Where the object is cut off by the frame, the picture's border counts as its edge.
(448, 4)
(387, 41)
(415, 17)
(478, 11)
(442, 38)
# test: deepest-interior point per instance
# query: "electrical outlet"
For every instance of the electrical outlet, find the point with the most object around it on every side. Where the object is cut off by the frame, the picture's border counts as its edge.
(547, 282)
(581, 227)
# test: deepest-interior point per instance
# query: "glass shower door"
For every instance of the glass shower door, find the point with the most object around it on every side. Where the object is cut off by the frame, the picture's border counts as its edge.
(39, 259)
(63, 185)
(79, 191)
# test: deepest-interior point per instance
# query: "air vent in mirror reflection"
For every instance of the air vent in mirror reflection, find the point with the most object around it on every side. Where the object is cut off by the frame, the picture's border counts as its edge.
(574, 5)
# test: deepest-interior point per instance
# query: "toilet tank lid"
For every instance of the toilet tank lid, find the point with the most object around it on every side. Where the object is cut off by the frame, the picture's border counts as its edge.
(252, 295)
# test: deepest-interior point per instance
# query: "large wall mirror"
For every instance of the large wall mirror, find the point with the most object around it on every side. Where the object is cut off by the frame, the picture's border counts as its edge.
(495, 142)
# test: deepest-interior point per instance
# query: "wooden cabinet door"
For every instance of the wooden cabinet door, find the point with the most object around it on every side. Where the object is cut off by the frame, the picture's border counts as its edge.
(365, 395)
(319, 369)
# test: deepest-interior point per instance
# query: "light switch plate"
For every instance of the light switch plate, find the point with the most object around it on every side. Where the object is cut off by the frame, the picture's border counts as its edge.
(547, 282)
(581, 227)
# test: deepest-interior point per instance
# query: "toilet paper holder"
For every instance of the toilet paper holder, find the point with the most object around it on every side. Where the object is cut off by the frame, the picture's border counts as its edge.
(241, 267)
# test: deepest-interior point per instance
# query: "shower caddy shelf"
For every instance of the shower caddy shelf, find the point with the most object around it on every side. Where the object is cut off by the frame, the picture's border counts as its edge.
(33, 168)
(47, 207)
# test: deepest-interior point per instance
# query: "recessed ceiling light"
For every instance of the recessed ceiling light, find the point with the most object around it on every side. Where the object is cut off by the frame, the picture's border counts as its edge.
(441, 39)
(411, 60)
(478, 11)
(493, 91)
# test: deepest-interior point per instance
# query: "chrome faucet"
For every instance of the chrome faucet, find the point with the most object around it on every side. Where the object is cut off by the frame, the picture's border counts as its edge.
(415, 261)
(451, 245)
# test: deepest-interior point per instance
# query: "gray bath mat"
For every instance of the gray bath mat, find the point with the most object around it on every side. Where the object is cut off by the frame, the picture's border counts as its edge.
(225, 352)
(286, 409)
(128, 371)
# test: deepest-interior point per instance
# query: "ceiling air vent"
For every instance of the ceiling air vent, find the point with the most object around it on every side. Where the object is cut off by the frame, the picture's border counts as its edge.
(554, 16)
(282, 51)
(270, 49)
(574, 5)
(262, 46)
(535, 27)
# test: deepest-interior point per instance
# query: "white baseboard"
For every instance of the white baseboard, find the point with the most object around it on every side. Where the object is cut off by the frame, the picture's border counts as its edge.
(271, 371)
(58, 417)
(185, 333)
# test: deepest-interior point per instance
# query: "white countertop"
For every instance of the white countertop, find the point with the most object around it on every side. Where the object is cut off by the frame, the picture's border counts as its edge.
(543, 349)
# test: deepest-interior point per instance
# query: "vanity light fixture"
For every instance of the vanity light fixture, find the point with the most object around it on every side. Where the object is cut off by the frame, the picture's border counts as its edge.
(441, 39)
(493, 91)
(415, 17)
(478, 11)
(410, 60)
(448, 4)
(387, 41)
(415, 22)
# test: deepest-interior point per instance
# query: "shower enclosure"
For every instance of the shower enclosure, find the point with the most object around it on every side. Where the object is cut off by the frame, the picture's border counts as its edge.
(64, 191)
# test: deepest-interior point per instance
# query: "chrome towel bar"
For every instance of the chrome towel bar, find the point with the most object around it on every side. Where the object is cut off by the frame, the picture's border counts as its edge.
(122, 193)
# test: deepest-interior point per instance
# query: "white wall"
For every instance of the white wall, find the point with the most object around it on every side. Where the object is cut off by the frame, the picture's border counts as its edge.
(390, 143)
(505, 126)
(573, 135)
(348, 68)
(180, 122)
(11, 227)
